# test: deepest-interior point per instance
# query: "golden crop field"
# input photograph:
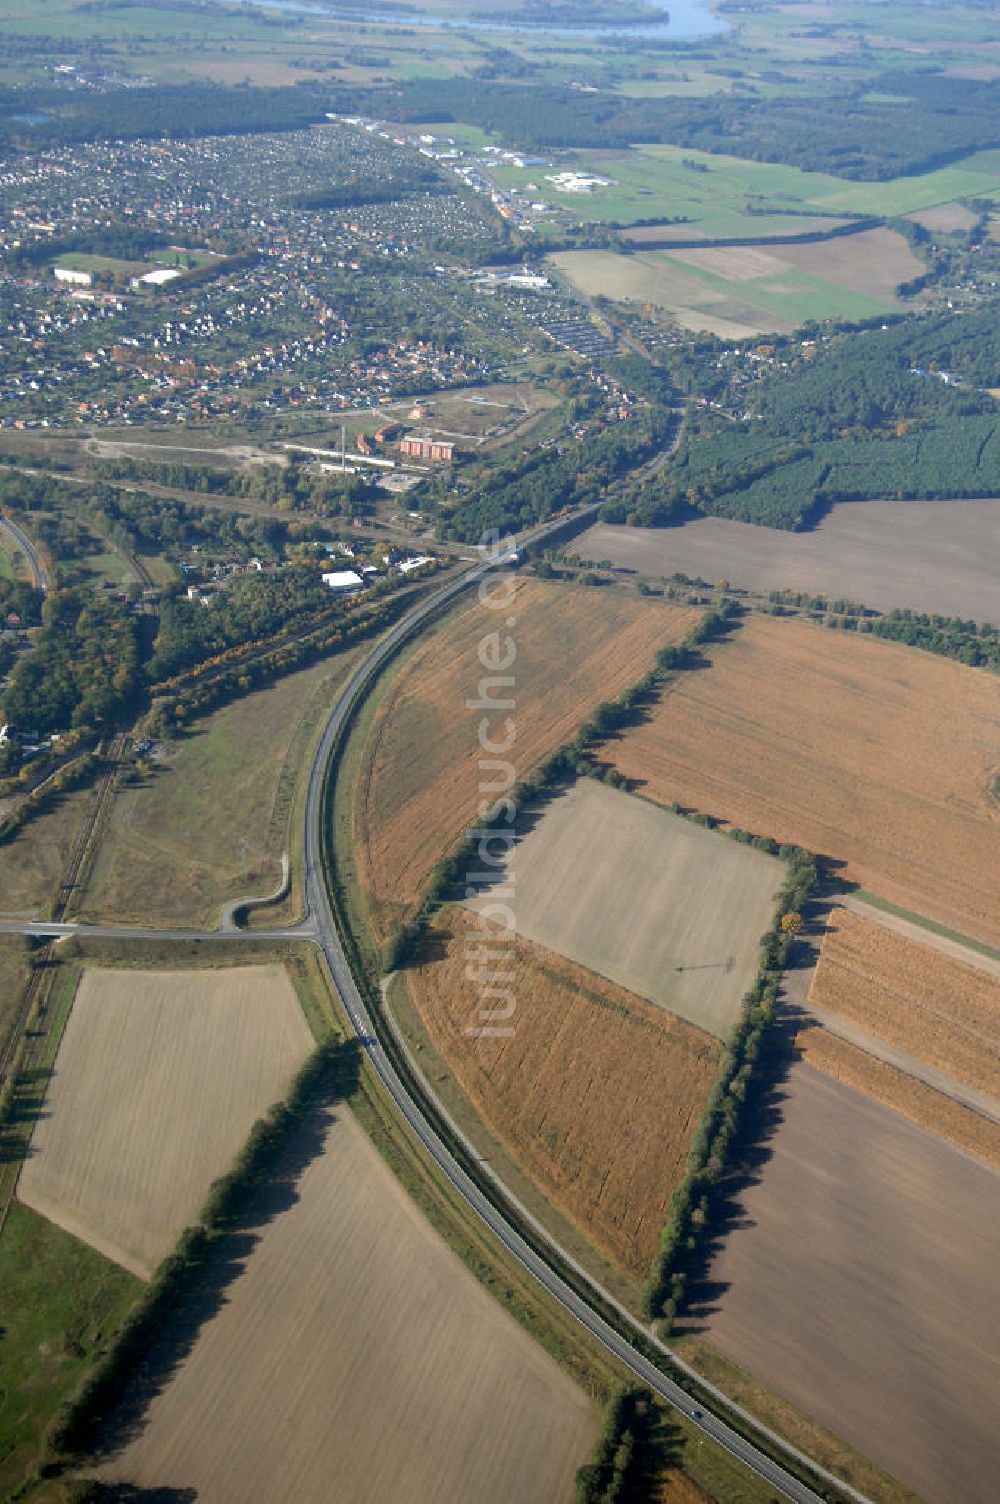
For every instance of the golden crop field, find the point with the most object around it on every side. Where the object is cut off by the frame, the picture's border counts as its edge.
(659, 904)
(158, 1080)
(912, 996)
(356, 1358)
(596, 1092)
(912, 1099)
(420, 785)
(874, 754)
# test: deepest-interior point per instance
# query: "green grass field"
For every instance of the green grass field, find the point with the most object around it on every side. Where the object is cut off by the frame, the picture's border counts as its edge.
(731, 198)
(60, 1305)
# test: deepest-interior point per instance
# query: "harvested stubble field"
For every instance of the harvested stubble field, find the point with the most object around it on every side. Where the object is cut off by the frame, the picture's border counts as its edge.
(664, 907)
(931, 1110)
(861, 1282)
(420, 784)
(348, 1311)
(208, 823)
(596, 1092)
(158, 1080)
(912, 996)
(876, 755)
(928, 555)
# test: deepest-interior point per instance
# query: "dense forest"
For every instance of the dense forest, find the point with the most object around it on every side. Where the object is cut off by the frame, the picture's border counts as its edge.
(83, 669)
(856, 418)
(853, 133)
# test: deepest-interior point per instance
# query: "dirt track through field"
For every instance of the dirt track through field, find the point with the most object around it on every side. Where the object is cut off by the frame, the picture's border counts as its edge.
(157, 1083)
(356, 1361)
(660, 905)
(862, 1283)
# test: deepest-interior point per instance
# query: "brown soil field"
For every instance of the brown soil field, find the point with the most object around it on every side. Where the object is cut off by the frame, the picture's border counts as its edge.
(874, 262)
(355, 1358)
(209, 822)
(945, 218)
(873, 754)
(912, 996)
(660, 905)
(420, 786)
(929, 555)
(596, 1092)
(861, 1281)
(158, 1080)
(921, 1104)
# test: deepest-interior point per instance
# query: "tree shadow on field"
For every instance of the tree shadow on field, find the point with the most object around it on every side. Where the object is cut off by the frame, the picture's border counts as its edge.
(129, 1493)
(224, 1257)
(749, 1153)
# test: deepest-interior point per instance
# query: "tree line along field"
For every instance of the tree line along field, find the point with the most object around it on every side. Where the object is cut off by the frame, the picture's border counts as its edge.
(347, 1308)
(157, 1082)
(661, 906)
(858, 1280)
(941, 1010)
(596, 1091)
(419, 784)
(876, 756)
(919, 555)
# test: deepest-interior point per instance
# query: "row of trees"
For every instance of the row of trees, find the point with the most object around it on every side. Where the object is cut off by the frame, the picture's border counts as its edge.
(691, 1203)
(627, 1456)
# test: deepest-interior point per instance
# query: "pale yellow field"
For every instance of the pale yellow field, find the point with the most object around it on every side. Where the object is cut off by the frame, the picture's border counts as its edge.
(660, 905)
(912, 996)
(158, 1080)
(356, 1361)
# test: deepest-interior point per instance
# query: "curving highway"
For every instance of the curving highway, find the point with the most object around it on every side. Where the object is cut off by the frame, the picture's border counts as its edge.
(320, 913)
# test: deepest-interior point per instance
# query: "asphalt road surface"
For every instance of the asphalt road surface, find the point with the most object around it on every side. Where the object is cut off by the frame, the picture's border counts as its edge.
(321, 915)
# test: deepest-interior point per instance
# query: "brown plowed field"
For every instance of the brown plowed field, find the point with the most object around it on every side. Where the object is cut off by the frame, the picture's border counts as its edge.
(420, 786)
(158, 1080)
(875, 754)
(911, 996)
(597, 1092)
(861, 1282)
(354, 1358)
(928, 1109)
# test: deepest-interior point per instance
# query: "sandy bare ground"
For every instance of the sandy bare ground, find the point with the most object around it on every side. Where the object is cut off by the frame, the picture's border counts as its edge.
(661, 906)
(937, 556)
(356, 1361)
(862, 1283)
(158, 1080)
(873, 754)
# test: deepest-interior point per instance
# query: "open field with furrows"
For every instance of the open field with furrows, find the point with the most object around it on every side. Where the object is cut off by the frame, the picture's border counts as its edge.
(873, 754)
(347, 1311)
(208, 822)
(737, 291)
(912, 996)
(420, 784)
(918, 1101)
(658, 904)
(861, 1282)
(595, 1091)
(158, 1080)
(934, 556)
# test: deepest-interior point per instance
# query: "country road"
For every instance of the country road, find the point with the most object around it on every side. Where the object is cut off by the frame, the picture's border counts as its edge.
(40, 577)
(320, 911)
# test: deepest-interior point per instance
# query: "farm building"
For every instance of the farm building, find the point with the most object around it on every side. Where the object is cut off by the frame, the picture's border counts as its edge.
(70, 274)
(421, 447)
(344, 581)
